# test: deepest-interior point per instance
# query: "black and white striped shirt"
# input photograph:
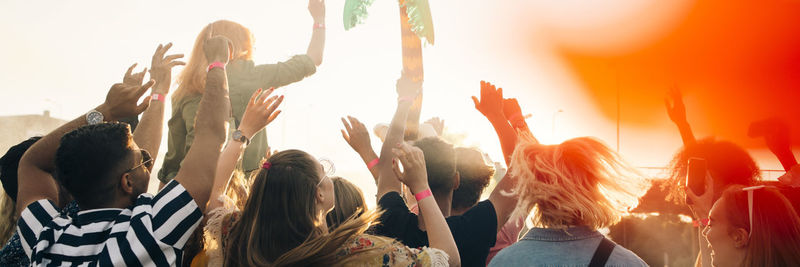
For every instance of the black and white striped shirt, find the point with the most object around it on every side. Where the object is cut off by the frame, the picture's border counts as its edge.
(152, 232)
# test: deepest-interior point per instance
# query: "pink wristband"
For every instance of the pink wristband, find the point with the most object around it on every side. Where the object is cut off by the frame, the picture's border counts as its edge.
(372, 163)
(216, 64)
(422, 195)
(157, 97)
(319, 26)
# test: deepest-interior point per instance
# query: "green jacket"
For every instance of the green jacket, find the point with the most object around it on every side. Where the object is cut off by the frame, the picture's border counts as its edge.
(244, 78)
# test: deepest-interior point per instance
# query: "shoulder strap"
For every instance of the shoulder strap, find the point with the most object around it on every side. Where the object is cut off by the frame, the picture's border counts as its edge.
(602, 253)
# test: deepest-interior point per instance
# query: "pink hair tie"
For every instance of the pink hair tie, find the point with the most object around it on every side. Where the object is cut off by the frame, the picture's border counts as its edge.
(266, 165)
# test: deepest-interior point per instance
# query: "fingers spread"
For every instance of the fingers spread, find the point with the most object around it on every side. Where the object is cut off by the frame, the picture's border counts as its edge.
(176, 63)
(173, 57)
(144, 87)
(144, 105)
(396, 169)
(255, 96)
(347, 125)
(275, 105)
(273, 116)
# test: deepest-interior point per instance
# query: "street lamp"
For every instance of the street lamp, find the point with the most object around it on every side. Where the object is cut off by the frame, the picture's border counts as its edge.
(553, 129)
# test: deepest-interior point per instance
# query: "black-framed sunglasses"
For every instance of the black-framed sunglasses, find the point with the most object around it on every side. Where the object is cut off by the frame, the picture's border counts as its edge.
(147, 161)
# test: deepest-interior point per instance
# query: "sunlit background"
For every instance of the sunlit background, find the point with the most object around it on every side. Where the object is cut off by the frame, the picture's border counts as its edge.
(597, 68)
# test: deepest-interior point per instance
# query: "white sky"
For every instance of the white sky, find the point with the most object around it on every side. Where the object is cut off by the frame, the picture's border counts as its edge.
(64, 55)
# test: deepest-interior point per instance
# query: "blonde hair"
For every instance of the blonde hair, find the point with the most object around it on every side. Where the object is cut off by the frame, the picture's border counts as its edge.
(193, 77)
(577, 182)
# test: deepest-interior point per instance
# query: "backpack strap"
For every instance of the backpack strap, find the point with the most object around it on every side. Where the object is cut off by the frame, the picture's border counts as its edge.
(602, 253)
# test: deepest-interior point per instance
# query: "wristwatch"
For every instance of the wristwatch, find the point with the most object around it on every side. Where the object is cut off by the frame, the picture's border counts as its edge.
(94, 117)
(238, 136)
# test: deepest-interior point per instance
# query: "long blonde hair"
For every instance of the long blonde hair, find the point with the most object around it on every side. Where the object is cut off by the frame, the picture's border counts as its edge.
(193, 77)
(577, 182)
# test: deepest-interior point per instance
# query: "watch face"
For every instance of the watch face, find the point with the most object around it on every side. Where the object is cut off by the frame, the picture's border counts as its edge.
(94, 117)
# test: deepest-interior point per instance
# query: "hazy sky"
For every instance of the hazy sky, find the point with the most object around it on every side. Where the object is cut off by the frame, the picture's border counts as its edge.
(64, 55)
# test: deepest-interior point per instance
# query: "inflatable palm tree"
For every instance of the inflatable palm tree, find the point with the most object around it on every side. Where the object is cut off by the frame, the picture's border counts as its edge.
(416, 24)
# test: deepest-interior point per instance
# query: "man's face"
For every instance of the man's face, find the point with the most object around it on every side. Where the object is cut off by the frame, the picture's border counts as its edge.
(140, 170)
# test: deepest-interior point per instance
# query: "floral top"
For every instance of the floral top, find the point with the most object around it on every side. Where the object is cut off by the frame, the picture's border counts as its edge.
(361, 250)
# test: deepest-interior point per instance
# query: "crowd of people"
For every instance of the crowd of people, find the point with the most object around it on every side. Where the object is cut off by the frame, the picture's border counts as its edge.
(77, 196)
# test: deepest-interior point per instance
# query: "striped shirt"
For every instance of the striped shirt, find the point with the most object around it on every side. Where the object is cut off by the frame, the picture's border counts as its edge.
(150, 233)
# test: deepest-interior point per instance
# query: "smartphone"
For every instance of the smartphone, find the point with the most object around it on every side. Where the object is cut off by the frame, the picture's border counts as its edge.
(696, 176)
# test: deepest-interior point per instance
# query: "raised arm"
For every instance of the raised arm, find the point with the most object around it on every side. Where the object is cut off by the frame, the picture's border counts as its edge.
(701, 208)
(259, 112)
(317, 45)
(415, 176)
(357, 136)
(407, 91)
(677, 113)
(513, 113)
(491, 106)
(35, 180)
(199, 166)
(507, 119)
(148, 134)
(776, 135)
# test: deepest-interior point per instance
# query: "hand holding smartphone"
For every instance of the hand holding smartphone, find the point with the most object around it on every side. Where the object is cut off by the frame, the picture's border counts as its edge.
(696, 177)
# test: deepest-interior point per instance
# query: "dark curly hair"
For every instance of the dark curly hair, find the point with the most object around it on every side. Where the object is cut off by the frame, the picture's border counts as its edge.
(89, 159)
(440, 162)
(475, 176)
(728, 163)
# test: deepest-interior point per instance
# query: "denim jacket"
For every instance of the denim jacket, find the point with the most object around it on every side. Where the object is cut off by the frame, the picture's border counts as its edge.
(574, 246)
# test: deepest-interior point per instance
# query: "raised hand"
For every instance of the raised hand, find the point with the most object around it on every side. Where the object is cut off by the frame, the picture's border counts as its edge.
(356, 135)
(133, 78)
(511, 109)
(437, 123)
(491, 101)
(259, 112)
(161, 68)
(702, 203)
(407, 88)
(777, 134)
(122, 98)
(218, 48)
(317, 10)
(675, 108)
(414, 173)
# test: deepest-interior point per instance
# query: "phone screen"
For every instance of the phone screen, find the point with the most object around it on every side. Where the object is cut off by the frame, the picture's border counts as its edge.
(696, 176)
